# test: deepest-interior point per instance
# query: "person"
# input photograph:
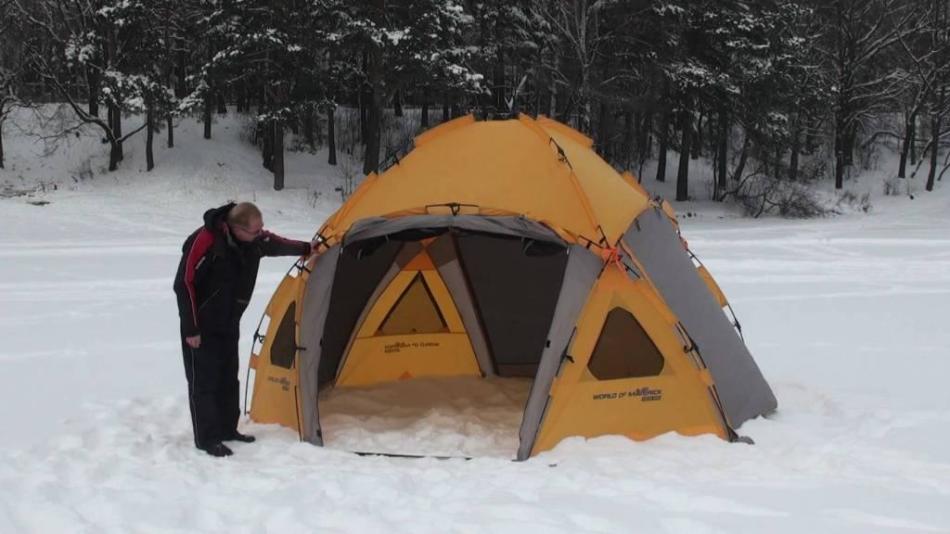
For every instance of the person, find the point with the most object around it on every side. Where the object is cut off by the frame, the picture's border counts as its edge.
(213, 285)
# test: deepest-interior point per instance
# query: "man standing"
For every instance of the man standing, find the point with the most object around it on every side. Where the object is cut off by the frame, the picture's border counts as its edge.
(214, 283)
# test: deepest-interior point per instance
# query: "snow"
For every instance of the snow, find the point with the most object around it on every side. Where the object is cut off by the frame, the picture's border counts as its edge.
(846, 317)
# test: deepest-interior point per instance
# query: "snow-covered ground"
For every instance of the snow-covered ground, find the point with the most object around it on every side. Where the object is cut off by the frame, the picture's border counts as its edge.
(846, 316)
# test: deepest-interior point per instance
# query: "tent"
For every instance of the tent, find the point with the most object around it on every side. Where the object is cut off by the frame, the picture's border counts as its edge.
(509, 248)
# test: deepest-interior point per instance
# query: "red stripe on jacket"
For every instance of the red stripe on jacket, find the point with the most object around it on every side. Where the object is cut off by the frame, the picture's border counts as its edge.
(199, 247)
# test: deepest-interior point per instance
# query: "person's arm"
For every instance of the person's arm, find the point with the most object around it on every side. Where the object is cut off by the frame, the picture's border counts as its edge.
(274, 245)
(193, 254)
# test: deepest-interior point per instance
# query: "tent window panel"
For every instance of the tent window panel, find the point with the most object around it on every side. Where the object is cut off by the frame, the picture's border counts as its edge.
(358, 272)
(624, 350)
(284, 348)
(515, 286)
(415, 312)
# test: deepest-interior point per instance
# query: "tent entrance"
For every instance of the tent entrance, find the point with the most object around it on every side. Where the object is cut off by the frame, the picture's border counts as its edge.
(452, 304)
(451, 322)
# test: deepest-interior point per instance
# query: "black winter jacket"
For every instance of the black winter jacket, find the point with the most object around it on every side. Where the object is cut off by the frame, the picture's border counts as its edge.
(217, 273)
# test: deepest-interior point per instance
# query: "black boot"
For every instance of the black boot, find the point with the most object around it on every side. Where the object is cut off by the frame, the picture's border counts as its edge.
(217, 449)
(237, 436)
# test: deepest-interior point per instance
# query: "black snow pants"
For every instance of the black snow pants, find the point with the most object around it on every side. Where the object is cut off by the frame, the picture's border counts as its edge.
(213, 388)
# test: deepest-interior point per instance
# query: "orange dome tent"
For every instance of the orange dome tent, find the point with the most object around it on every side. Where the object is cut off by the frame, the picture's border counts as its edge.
(509, 248)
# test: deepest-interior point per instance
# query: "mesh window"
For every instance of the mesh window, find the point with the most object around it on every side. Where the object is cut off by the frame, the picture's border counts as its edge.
(624, 350)
(284, 348)
(415, 312)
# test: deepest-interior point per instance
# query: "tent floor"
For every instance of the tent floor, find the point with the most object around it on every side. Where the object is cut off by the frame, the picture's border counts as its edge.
(455, 416)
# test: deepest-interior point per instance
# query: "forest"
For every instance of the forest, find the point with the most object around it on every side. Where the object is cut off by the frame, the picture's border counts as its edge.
(777, 95)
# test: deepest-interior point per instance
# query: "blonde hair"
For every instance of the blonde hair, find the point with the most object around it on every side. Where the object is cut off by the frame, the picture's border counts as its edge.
(243, 213)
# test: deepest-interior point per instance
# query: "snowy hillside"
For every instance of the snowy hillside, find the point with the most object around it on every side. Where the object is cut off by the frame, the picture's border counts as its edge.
(846, 317)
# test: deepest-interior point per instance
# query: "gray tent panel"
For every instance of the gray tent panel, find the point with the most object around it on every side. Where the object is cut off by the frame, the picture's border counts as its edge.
(443, 253)
(515, 284)
(580, 274)
(375, 227)
(316, 304)
(742, 389)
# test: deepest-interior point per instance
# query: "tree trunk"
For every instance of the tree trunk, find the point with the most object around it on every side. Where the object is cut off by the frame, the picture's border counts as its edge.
(425, 109)
(222, 104)
(647, 128)
(117, 129)
(696, 144)
(373, 134)
(207, 115)
(743, 159)
(664, 146)
(267, 149)
(1, 143)
(627, 148)
(331, 135)
(839, 163)
(839, 151)
(605, 131)
(777, 160)
(92, 78)
(905, 147)
(361, 104)
(363, 101)
(934, 149)
(445, 108)
(913, 142)
(149, 135)
(115, 154)
(278, 166)
(682, 175)
(722, 152)
(375, 103)
(850, 140)
(180, 89)
(308, 127)
(796, 149)
(397, 104)
(498, 81)
(170, 126)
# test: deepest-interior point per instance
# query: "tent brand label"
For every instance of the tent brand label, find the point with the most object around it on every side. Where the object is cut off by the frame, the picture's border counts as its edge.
(397, 347)
(282, 382)
(646, 394)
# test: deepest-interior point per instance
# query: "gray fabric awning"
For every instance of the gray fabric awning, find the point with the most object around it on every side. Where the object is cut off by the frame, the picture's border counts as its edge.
(374, 227)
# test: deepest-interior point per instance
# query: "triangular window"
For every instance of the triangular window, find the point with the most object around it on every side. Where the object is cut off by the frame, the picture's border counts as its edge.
(415, 312)
(624, 350)
(284, 348)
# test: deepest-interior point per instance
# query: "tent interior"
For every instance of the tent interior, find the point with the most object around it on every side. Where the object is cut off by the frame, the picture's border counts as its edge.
(444, 308)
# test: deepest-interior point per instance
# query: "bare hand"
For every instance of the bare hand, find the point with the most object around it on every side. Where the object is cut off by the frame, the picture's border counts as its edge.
(193, 341)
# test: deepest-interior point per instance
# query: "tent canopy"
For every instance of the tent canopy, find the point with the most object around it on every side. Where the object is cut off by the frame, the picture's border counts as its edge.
(511, 249)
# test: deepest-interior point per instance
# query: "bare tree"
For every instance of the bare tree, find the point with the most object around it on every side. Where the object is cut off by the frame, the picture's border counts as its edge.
(10, 69)
(940, 103)
(856, 35)
(926, 52)
(66, 41)
(582, 36)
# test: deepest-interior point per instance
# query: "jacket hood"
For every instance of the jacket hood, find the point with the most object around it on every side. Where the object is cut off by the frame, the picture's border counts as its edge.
(215, 217)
